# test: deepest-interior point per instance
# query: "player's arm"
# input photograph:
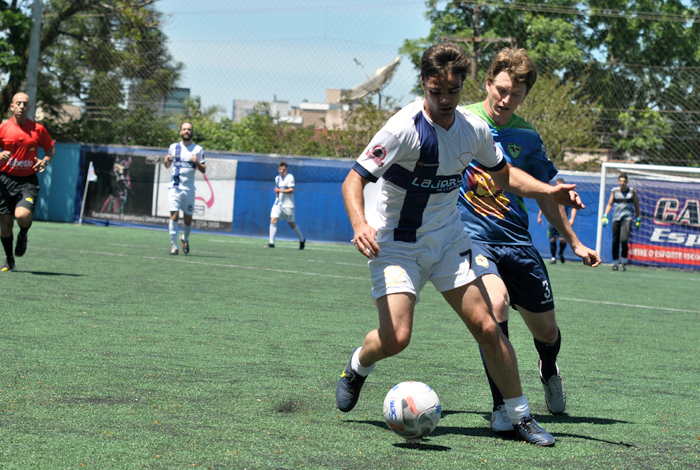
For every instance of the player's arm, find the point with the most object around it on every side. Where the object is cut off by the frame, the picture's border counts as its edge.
(40, 164)
(168, 161)
(354, 199)
(557, 217)
(523, 184)
(201, 166)
(539, 217)
(573, 217)
(637, 211)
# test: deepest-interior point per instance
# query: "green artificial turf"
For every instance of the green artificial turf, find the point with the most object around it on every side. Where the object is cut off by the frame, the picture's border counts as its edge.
(115, 354)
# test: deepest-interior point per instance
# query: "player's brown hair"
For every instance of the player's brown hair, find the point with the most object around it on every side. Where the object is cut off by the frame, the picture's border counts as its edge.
(517, 64)
(443, 59)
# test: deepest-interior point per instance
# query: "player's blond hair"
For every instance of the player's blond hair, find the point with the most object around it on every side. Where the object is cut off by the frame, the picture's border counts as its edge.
(517, 64)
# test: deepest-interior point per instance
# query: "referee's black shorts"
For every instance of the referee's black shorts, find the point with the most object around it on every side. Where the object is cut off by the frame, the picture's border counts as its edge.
(18, 191)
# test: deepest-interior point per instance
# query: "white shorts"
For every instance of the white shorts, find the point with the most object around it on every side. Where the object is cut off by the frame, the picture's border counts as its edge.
(181, 200)
(443, 258)
(285, 213)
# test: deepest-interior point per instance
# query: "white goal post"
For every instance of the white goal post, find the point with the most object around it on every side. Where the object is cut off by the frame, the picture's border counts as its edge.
(670, 212)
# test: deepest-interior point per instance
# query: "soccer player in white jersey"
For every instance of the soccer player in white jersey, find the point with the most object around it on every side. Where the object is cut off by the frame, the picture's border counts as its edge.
(283, 208)
(418, 158)
(186, 158)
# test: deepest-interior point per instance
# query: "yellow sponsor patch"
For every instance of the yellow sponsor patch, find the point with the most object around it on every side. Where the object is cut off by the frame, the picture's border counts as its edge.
(482, 261)
(30, 199)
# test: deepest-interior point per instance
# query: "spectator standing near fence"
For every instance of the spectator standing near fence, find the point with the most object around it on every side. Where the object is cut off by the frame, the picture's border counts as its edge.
(20, 139)
(626, 202)
(283, 208)
(186, 158)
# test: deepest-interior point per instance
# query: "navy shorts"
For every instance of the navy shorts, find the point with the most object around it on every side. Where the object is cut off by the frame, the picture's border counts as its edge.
(522, 270)
(553, 232)
(18, 191)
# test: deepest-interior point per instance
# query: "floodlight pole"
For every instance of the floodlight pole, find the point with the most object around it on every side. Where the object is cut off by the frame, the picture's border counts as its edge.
(33, 62)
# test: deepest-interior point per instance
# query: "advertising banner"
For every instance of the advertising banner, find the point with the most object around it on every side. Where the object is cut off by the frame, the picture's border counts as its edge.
(132, 188)
(670, 231)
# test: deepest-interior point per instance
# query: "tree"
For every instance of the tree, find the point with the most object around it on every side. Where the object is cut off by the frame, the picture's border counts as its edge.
(99, 52)
(632, 55)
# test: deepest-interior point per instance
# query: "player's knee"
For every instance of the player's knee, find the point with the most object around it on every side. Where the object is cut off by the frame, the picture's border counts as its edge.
(487, 333)
(273, 221)
(394, 343)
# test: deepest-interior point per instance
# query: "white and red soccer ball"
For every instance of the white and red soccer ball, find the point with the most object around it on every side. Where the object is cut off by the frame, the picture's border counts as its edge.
(412, 409)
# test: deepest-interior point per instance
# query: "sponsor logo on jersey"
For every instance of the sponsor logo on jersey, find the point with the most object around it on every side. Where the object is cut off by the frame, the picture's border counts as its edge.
(514, 150)
(482, 261)
(440, 185)
(377, 154)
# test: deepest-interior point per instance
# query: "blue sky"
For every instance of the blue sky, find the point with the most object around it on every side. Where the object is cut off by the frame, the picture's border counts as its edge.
(291, 50)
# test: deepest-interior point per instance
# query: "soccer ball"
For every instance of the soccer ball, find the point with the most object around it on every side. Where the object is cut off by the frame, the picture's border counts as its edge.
(412, 409)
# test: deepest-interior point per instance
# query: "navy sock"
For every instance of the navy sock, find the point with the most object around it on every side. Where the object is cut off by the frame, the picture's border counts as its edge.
(548, 355)
(495, 392)
(23, 231)
(553, 248)
(562, 247)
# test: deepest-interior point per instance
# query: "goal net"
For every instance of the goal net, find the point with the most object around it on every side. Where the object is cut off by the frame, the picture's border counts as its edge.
(669, 199)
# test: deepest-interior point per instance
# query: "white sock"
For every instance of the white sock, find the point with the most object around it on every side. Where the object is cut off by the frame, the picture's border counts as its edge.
(359, 368)
(614, 262)
(173, 229)
(186, 231)
(273, 233)
(624, 261)
(297, 230)
(517, 408)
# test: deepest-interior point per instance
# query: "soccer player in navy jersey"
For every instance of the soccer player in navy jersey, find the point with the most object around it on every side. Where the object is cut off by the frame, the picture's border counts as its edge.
(497, 221)
(417, 159)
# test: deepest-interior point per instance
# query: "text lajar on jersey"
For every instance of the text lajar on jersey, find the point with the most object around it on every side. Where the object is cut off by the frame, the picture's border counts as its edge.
(440, 185)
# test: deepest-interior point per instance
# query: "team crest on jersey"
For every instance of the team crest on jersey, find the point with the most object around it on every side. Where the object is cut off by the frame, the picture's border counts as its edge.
(377, 154)
(465, 158)
(514, 150)
(482, 261)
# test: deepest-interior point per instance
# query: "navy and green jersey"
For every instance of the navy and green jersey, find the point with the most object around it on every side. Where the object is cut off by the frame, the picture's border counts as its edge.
(490, 214)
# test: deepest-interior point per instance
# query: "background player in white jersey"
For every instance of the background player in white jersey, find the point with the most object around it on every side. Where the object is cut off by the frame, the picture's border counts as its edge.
(626, 202)
(418, 158)
(186, 158)
(497, 220)
(283, 208)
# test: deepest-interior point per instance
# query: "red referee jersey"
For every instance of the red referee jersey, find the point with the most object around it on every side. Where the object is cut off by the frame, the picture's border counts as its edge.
(23, 142)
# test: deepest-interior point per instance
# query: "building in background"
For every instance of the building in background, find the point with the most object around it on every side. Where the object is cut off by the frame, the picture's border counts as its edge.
(171, 104)
(329, 115)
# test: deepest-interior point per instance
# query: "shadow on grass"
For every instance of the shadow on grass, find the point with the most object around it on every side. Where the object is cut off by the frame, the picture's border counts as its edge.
(47, 273)
(441, 430)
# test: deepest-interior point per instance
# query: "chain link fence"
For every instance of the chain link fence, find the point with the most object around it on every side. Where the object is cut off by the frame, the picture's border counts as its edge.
(647, 112)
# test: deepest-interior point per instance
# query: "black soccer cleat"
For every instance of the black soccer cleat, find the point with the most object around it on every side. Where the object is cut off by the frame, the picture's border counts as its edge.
(269, 245)
(21, 247)
(348, 390)
(529, 431)
(8, 265)
(302, 244)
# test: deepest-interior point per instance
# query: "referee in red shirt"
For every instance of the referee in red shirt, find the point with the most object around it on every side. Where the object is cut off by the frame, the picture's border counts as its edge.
(20, 139)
